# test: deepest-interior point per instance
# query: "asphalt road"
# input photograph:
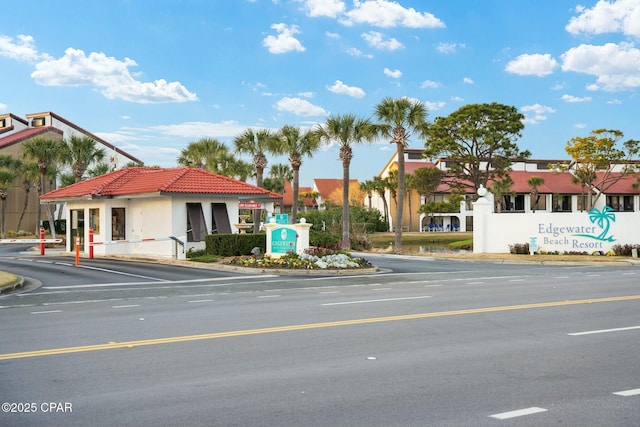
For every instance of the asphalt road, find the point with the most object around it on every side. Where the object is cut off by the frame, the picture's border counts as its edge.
(426, 342)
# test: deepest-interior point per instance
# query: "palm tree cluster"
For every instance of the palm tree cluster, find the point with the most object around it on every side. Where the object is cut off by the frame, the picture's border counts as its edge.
(42, 162)
(397, 120)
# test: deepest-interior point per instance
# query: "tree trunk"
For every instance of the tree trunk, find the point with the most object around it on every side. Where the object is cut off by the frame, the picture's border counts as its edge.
(400, 203)
(257, 213)
(27, 189)
(296, 191)
(346, 244)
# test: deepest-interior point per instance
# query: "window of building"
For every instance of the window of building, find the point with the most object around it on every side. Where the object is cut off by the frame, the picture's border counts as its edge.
(539, 202)
(37, 122)
(542, 166)
(3, 123)
(118, 231)
(583, 203)
(196, 226)
(519, 203)
(561, 203)
(620, 203)
(219, 218)
(414, 156)
(94, 220)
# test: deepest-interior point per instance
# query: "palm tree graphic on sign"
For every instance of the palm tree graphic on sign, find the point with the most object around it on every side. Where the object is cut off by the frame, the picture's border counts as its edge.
(602, 218)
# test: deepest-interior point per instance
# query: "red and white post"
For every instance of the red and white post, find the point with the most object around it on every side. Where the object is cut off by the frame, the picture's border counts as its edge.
(41, 240)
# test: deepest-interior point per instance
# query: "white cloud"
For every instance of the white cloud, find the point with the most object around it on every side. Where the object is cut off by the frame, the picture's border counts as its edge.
(300, 107)
(328, 8)
(468, 80)
(457, 98)
(380, 41)
(429, 84)
(614, 102)
(607, 17)
(433, 106)
(23, 49)
(307, 94)
(110, 75)
(341, 88)
(616, 66)
(580, 125)
(388, 14)
(448, 48)
(358, 53)
(285, 41)
(536, 113)
(396, 74)
(3, 107)
(331, 35)
(532, 64)
(195, 130)
(575, 99)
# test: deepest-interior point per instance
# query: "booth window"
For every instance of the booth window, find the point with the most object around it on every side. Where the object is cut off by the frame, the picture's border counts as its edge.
(117, 224)
(196, 227)
(94, 220)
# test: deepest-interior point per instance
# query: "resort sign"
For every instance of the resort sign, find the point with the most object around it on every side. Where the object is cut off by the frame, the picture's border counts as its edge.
(579, 237)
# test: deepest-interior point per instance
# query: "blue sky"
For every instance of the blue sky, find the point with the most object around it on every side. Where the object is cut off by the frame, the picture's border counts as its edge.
(150, 77)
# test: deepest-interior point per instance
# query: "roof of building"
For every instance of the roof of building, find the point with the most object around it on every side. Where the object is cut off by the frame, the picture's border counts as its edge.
(327, 186)
(86, 132)
(623, 185)
(25, 134)
(554, 183)
(287, 195)
(164, 181)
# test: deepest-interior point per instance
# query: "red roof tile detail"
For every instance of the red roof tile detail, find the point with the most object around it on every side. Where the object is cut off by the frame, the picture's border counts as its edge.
(138, 180)
(26, 134)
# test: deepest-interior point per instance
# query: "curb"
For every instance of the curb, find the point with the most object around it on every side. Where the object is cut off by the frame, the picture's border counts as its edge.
(10, 287)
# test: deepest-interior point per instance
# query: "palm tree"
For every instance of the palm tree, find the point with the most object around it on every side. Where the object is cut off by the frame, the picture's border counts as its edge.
(46, 153)
(99, 169)
(534, 182)
(345, 130)
(30, 176)
(206, 153)
(9, 169)
(368, 186)
(409, 185)
(82, 152)
(399, 119)
(380, 187)
(296, 144)
(257, 144)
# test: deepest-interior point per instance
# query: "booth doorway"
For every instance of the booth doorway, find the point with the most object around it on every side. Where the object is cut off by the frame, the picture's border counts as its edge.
(77, 228)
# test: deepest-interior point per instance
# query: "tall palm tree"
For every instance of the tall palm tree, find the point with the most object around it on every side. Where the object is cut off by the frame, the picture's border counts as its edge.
(346, 130)
(297, 144)
(409, 184)
(9, 170)
(46, 153)
(81, 151)
(99, 169)
(257, 143)
(30, 176)
(399, 119)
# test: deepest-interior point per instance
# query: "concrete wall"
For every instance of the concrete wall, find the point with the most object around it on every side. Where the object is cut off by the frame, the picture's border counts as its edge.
(553, 231)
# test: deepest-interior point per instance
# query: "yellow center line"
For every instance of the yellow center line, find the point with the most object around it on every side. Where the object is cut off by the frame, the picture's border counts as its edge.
(306, 326)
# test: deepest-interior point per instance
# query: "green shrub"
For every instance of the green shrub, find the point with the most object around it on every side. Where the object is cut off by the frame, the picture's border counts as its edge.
(235, 244)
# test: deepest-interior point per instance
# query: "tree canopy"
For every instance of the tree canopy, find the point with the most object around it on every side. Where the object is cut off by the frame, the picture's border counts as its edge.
(478, 141)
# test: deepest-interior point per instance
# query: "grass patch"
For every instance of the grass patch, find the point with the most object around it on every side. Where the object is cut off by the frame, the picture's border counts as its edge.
(382, 240)
(205, 258)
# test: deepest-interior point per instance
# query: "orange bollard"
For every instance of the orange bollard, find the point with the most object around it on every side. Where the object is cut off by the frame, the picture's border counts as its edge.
(77, 250)
(90, 243)
(41, 240)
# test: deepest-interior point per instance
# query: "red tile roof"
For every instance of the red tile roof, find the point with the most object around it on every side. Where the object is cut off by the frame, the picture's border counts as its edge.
(554, 183)
(623, 186)
(166, 181)
(287, 195)
(26, 134)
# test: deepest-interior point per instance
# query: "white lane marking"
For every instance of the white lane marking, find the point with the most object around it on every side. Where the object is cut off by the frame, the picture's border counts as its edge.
(44, 262)
(603, 331)
(561, 277)
(516, 280)
(269, 296)
(628, 274)
(382, 289)
(104, 285)
(375, 300)
(201, 300)
(627, 393)
(329, 292)
(594, 275)
(108, 270)
(518, 413)
(476, 283)
(46, 312)
(126, 306)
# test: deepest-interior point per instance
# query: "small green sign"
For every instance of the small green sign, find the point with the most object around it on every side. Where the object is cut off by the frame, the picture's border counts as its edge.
(282, 218)
(283, 240)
